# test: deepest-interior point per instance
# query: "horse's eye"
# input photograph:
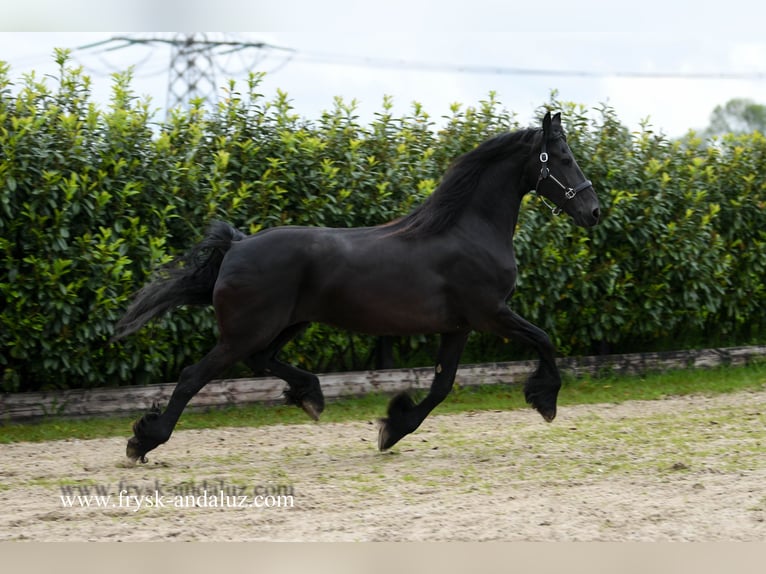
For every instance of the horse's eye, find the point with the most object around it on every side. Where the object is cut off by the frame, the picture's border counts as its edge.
(567, 161)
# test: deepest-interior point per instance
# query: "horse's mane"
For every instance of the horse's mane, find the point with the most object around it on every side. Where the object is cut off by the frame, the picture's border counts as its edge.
(442, 208)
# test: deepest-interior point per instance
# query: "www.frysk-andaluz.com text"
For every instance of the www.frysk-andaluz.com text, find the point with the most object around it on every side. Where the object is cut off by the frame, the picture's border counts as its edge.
(186, 495)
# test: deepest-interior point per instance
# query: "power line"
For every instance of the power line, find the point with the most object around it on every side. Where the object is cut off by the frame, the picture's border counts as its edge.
(195, 61)
(400, 64)
(201, 43)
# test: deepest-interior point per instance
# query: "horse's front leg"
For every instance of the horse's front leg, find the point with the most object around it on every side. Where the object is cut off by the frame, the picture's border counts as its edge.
(542, 388)
(404, 416)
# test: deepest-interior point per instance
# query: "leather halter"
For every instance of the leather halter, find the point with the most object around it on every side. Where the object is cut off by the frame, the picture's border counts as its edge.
(545, 173)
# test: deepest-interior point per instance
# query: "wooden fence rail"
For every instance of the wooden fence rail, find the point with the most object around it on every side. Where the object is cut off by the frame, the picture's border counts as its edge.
(227, 392)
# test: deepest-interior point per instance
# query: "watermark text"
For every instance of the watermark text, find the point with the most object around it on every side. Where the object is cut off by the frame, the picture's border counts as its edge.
(213, 494)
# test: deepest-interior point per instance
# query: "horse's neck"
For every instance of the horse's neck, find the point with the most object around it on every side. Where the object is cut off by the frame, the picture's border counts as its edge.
(494, 208)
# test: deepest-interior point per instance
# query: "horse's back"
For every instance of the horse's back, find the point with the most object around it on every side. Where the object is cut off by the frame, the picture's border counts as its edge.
(286, 264)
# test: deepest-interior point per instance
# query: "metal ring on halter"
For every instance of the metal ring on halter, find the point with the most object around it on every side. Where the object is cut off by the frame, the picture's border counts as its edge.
(544, 171)
(554, 209)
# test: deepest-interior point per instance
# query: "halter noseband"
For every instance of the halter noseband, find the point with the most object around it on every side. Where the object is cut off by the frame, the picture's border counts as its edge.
(545, 173)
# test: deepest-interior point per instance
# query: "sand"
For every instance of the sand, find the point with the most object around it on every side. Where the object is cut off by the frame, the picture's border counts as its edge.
(678, 469)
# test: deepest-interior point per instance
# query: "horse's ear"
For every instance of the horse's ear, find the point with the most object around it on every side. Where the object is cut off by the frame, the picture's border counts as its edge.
(547, 124)
(557, 120)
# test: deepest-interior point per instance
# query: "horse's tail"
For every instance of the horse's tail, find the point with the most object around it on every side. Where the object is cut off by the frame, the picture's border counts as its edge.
(187, 280)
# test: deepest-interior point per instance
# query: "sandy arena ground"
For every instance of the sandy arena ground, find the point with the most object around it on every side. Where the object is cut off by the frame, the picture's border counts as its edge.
(690, 469)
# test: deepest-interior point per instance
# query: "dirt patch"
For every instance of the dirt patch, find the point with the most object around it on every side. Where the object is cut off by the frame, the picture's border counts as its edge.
(678, 469)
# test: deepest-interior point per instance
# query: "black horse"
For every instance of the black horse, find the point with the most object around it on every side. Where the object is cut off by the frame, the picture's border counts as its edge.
(448, 267)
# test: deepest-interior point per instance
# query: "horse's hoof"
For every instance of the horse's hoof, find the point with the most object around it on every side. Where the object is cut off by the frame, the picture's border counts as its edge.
(384, 435)
(312, 403)
(387, 437)
(311, 409)
(543, 403)
(399, 423)
(135, 452)
(549, 416)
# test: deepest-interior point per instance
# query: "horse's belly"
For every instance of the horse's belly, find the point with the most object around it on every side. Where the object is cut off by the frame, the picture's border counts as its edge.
(395, 311)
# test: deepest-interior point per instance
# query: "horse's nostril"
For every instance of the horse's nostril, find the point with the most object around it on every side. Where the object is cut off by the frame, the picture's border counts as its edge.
(597, 214)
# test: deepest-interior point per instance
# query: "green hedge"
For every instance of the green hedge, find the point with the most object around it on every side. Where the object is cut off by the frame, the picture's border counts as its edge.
(92, 200)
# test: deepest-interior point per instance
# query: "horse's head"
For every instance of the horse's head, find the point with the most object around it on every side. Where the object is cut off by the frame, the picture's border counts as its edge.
(559, 178)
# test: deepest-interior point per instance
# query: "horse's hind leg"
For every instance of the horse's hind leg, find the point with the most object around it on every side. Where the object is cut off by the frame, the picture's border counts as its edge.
(155, 427)
(404, 416)
(304, 389)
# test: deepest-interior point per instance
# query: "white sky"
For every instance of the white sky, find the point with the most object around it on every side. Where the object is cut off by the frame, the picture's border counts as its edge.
(606, 38)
